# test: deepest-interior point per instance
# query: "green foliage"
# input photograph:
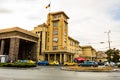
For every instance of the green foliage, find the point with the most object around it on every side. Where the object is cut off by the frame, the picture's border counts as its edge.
(17, 65)
(119, 65)
(113, 55)
(2, 64)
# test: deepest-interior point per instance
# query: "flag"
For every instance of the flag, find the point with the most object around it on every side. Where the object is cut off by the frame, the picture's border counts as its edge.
(47, 6)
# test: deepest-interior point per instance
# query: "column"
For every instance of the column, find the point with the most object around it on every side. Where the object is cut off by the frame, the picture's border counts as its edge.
(14, 49)
(55, 57)
(65, 58)
(34, 51)
(71, 57)
(48, 56)
(60, 57)
(2, 47)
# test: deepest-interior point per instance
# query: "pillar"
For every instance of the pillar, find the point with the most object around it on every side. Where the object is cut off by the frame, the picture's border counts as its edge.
(48, 57)
(71, 58)
(65, 58)
(60, 57)
(34, 52)
(55, 57)
(2, 47)
(14, 49)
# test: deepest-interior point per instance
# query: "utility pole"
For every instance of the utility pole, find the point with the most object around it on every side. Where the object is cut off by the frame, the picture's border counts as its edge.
(108, 34)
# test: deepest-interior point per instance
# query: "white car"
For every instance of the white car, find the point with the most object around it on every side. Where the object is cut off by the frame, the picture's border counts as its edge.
(109, 64)
(112, 63)
(118, 63)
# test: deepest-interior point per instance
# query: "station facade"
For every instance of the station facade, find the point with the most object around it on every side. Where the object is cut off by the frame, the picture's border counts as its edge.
(49, 41)
(54, 42)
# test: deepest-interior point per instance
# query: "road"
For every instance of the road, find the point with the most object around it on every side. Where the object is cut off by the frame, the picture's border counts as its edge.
(54, 73)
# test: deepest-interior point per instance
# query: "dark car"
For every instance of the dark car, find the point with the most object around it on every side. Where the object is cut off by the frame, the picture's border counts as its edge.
(88, 64)
(100, 63)
(42, 63)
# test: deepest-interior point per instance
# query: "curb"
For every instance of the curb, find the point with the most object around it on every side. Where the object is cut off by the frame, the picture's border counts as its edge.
(69, 69)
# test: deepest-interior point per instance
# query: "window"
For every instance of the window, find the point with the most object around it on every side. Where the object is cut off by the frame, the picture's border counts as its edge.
(55, 32)
(48, 47)
(55, 23)
(48, 39)
(56, 16)
(55, 39)
(65, 34)
(65, 48)
(55, 48)
(64, 39)
(65, 25)
(48, 33)
(38, 32)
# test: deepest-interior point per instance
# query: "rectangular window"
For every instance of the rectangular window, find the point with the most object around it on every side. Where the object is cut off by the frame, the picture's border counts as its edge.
(65, 34)
(48, 47)
(48, 33)
(40, 42)
(48, 39)
(55, 32)
(65, 25)
(55, 47)
(64, 39)
(65, 48)
(55, 23)
(55, 39)
(56, 16)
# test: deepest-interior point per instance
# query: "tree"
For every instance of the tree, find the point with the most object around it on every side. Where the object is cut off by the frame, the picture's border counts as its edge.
(113, 55)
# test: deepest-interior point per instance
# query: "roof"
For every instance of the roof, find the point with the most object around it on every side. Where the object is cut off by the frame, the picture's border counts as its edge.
(59, 12)
(101, 54)
(18, 30)
(41, 25)
(87, 46)
(73, 39)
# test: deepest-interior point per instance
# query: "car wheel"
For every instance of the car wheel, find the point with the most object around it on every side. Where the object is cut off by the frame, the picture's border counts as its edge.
(65, 64)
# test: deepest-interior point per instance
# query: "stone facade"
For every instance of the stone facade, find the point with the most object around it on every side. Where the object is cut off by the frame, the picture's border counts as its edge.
(12, 38)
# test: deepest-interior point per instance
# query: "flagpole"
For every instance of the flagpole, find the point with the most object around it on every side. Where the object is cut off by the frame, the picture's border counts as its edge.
(49, 6)
(49, 12)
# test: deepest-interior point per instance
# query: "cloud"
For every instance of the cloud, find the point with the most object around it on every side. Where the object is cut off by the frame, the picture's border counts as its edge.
(89, 19)
(3, 10)
(93, 19)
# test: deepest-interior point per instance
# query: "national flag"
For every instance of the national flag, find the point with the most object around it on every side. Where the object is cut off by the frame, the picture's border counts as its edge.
(47, 6)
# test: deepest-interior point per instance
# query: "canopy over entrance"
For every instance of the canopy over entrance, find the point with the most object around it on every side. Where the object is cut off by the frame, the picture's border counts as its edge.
(79, 59)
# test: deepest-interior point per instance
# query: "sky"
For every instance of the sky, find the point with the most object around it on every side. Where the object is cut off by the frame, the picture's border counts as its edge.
(89, 23)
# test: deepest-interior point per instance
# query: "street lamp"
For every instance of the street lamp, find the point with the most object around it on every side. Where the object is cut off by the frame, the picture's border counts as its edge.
(108, 33)
(102, 42)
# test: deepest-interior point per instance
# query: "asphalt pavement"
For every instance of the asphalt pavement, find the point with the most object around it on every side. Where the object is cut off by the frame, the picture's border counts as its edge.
(53, 73)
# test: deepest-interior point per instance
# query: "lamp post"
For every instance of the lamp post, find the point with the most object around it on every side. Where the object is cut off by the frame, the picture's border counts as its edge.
(108, 34)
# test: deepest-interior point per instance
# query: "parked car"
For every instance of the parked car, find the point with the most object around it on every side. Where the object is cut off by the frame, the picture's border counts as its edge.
(100, 63)
(118, 63)
(88, 64)
(69, 63)
(109, 63)
(42, 63)
(27, 61)
(53, 63)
